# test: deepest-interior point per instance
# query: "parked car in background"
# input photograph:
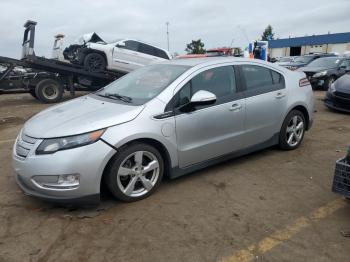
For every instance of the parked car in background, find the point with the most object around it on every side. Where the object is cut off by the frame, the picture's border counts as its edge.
(338, 95)
(302, 61)
(164, 119)
(191, 56)
(285, 60)
(222, 51)
(324, 71)
(225, 51)
(122, 55)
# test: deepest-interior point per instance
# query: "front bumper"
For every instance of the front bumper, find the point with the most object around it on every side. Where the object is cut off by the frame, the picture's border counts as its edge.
(87, 161)
(337, 103)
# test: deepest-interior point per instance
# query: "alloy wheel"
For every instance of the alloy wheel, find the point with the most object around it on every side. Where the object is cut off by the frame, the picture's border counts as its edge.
(295, 131)
(138, 173)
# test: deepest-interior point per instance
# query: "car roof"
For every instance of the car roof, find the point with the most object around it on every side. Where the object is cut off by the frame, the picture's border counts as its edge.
(210, 60)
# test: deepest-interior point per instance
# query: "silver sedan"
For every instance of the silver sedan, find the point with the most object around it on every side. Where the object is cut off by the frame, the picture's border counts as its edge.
(166, 119)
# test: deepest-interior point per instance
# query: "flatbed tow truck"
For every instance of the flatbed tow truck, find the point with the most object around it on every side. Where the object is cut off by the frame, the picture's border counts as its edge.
(47, 79)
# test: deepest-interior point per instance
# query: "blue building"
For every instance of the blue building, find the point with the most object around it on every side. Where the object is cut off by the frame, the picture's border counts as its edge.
(328, 43)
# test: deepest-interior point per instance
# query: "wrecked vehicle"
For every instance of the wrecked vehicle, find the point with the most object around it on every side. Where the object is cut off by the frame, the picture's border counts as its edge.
(123, 55)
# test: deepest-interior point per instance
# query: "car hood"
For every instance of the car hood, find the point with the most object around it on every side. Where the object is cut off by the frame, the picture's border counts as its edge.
(295, 64)
(343, 84)
(90, 38)
(283, 63)
(313, 69)
(79, 116)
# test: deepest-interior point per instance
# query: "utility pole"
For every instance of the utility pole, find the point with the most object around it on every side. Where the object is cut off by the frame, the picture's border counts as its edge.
(167, 34)
(232, 42)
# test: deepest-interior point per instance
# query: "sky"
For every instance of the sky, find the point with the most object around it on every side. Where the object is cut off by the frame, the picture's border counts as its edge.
(218, 23)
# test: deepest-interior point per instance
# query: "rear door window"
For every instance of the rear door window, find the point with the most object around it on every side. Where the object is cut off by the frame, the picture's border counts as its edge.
(259, 79)
(147, 49)
(161, 53)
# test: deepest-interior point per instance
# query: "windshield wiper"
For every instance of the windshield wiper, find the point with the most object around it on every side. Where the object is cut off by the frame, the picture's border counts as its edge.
(125, 99)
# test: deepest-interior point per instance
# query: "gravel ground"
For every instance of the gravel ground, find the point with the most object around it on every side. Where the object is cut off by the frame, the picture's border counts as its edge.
(268, 206)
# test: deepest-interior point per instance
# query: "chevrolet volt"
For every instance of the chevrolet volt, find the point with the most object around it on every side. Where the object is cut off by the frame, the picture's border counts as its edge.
(166, 119)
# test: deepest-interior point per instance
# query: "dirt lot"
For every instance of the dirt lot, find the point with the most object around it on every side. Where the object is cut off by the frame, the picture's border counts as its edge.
(268, 206)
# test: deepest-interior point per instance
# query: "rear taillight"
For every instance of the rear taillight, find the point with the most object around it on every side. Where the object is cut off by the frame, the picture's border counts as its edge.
(304, 82)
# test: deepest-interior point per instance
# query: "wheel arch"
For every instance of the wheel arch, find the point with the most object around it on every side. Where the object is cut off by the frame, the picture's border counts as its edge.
(305, 113)
(150, 141)
(87, 51)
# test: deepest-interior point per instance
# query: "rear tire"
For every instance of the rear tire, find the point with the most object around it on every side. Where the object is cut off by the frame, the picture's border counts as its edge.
(292, 131)
(49, 91)
(135, 172)
(94, 62)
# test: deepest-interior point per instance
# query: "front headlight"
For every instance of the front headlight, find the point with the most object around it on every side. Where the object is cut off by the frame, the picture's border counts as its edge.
(52, 145)
(319, 74)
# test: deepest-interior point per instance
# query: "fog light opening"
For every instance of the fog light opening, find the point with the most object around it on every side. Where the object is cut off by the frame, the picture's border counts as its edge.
(64, 182)
(68, 179)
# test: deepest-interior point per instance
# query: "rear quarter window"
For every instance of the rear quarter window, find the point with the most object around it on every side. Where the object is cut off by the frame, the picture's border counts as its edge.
(259, 79)
(161, 53)
(147, 49)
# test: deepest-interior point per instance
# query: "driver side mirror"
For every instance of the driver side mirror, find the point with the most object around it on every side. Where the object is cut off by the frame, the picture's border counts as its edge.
(121, 44)
(201, 97)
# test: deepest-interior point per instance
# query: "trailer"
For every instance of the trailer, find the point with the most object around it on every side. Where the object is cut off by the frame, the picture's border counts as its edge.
(47, 79)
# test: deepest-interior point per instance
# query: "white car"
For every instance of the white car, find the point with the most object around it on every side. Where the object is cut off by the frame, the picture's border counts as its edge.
(122, 55)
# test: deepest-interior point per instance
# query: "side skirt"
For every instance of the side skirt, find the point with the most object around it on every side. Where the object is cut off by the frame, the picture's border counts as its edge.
(177, 172)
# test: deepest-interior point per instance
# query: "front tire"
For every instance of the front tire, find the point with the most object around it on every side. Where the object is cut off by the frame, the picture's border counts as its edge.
(135, 173)
(292, 131)
(94, 62)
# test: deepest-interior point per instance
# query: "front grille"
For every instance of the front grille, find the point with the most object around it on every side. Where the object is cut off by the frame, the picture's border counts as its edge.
(342, 95)
(341, 102)
(24, 145)
(28, 139)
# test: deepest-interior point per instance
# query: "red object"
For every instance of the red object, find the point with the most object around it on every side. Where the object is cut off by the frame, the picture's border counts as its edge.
(222, 50)
(192, 56)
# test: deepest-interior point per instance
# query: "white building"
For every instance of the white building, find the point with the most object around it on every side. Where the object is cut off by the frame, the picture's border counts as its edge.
(296, 46)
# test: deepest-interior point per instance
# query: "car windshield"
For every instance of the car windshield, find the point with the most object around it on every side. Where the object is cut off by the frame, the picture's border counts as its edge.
(328, 62)
(303, 59)
(140, 86)
(115, 41)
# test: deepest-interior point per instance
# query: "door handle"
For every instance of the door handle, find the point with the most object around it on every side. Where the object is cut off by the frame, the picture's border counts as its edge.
(235, 107)
(280, 95)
